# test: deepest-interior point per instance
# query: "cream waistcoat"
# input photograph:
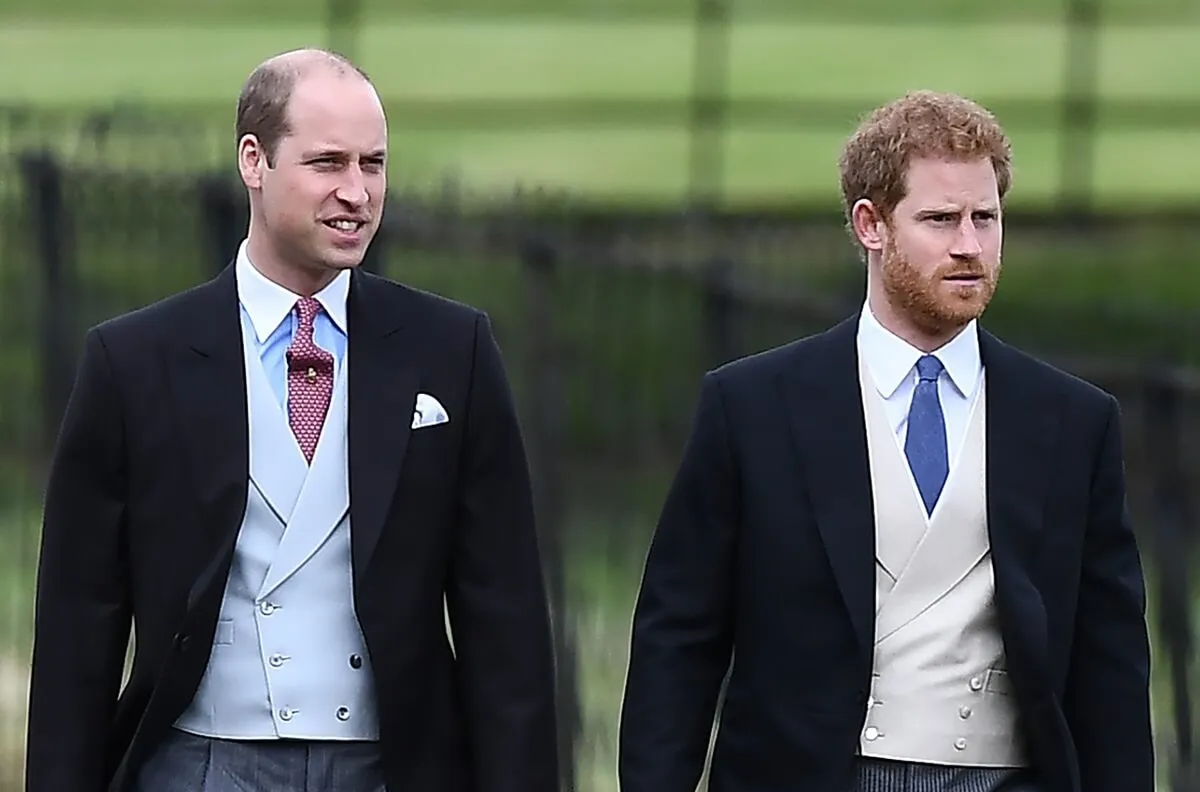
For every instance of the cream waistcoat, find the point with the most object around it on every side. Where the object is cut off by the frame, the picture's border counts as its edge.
(940, 693)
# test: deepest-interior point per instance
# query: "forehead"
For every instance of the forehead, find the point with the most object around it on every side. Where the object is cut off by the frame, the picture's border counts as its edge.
(935, 181)
(337, 110)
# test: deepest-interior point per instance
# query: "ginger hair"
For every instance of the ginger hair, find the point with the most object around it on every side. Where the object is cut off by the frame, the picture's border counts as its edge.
(919, 125)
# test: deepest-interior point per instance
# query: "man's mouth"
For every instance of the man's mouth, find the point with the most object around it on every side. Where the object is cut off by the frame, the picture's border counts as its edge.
(964, 277)
(345, 226)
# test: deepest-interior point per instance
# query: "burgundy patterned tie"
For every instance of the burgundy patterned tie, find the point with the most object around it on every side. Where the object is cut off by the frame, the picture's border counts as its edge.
(310, 380)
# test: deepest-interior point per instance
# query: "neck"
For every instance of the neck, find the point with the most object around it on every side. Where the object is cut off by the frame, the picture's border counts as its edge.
(300, 280)
(924, 338)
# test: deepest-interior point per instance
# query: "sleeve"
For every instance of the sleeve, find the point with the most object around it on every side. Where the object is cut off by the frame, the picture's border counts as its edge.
(82, 613)
(682, 637)
(1107, 701)
(496, 597)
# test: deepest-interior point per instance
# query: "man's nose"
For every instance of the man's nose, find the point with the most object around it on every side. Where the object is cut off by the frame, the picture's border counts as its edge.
(966, 243)
(353, 188)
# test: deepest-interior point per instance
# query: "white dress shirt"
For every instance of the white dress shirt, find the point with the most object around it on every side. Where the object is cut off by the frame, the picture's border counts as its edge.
(892, 364)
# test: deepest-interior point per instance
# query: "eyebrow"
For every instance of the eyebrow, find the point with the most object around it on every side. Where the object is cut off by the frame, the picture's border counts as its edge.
(341, 154)
(944, 210)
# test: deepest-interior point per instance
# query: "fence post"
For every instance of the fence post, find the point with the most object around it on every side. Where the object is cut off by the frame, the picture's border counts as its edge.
(710, 101)
(719, 312)
(342, 23)
(1173, 545)
(1080, 107)
(43, 177)
(546, 403)
(706, 170)
(224, 218)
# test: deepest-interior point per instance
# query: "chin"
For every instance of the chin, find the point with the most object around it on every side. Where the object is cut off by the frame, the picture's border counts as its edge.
(941, 316)
(343, 259)
(959, 316)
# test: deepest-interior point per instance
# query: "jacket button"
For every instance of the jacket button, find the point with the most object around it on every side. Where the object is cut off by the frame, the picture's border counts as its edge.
(355, 661)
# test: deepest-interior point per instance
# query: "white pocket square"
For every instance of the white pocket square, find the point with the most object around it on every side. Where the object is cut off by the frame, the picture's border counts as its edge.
(429, 412)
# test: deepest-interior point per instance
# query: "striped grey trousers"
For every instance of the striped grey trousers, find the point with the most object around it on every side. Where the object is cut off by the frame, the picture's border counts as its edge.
(189, 763)
(881, 775)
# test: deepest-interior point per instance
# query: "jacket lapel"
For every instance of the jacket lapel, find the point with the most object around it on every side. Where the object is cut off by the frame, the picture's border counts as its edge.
(1022, 427)
(207, 386)
(1023, 418)
(382, 395)
(824, 407)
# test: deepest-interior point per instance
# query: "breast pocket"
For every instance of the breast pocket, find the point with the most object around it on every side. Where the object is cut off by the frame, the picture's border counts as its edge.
(434, 431)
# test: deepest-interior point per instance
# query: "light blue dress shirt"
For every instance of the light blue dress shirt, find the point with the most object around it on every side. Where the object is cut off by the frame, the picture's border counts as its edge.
(269, 308)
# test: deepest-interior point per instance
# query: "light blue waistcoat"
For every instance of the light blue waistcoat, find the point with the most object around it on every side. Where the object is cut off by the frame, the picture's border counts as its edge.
(288, 658)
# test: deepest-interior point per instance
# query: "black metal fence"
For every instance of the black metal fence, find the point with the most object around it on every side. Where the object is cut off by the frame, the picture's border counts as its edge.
(607, 321)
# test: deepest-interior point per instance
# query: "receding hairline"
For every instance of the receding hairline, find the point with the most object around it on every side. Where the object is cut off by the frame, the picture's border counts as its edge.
(264, 104)
(299, 63)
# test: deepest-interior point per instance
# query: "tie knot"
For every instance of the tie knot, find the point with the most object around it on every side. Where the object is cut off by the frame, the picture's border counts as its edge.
(307, 309)
(928, 368)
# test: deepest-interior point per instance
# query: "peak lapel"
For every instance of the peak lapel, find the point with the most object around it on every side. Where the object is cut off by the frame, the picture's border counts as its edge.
(1022, 426)
(824, 402)
(1023, 422)
(207, 385)
(382, 395)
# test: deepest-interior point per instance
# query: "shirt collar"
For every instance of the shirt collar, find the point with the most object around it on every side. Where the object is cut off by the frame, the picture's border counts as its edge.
(891, 359)
(268, 304)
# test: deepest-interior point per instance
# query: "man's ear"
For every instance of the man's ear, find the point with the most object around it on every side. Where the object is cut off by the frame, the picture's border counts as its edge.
(252, 161)
(868, 224)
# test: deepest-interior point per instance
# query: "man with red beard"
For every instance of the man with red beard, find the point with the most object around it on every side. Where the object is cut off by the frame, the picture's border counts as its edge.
(902, 544)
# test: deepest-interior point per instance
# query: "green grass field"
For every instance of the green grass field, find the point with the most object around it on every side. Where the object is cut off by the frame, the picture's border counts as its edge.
(197, 69)
(885, 10)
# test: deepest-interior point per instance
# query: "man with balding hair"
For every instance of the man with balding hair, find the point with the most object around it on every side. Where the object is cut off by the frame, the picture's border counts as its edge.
(286, 479)
(901, 543)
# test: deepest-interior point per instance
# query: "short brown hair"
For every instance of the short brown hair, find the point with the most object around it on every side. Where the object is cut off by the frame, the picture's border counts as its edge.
(262, 107)
(921, 124)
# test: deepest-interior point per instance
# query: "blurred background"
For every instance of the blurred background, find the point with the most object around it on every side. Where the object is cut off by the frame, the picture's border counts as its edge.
(636, 191)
